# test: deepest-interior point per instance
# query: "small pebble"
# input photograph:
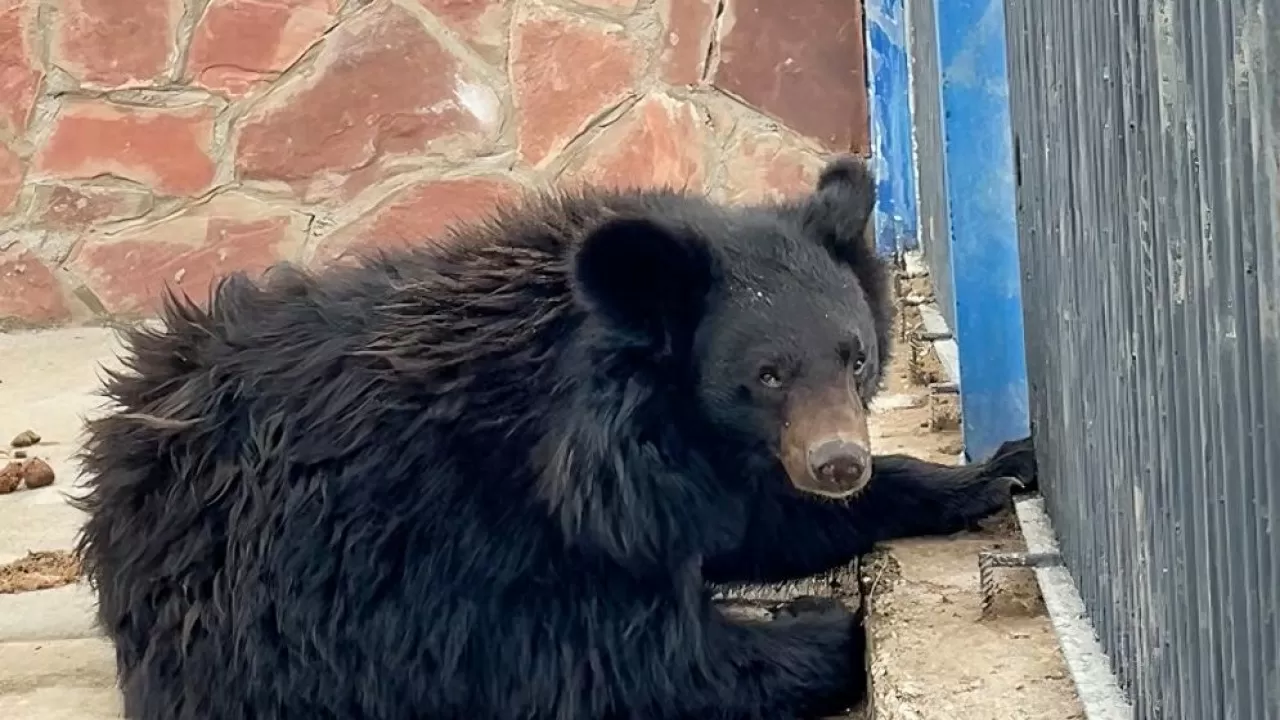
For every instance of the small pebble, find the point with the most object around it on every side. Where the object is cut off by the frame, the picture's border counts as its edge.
(26, 438)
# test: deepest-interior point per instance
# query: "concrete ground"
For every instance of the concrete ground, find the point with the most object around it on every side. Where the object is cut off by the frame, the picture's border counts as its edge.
(54, 665)
(932, 655)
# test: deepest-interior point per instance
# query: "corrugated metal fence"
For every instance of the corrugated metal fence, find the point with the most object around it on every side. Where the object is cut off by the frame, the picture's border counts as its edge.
(1145, 137)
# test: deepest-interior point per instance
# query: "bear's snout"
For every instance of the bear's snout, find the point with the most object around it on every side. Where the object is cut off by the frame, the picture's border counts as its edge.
(842, 466)
(825, 444)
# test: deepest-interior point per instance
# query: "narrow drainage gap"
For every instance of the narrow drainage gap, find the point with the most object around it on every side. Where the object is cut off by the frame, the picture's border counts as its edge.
(845, 584)
(861, 680)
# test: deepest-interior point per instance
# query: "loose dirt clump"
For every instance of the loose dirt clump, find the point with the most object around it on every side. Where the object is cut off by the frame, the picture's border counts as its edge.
(944, 413)
(33, 472)
(37, 473)
(10, 477)
(39, 571)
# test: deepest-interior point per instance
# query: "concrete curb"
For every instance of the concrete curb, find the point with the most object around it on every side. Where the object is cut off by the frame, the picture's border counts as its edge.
(62, 613)
(1089, 664)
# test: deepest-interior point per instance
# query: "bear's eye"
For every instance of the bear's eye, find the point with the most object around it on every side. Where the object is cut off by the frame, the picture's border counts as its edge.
(770, 377)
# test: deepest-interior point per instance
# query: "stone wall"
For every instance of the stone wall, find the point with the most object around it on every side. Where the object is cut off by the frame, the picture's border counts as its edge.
(153, 142)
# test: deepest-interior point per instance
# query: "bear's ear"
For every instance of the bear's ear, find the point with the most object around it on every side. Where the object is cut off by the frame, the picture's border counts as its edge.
(644, 277)
(844, 200)
(838, 215)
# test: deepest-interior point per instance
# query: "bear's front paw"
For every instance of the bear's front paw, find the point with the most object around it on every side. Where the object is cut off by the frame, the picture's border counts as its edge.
(987, 496)
(1015, 462)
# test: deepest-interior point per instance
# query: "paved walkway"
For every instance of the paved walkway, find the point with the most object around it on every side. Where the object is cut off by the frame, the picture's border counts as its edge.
(54, 665)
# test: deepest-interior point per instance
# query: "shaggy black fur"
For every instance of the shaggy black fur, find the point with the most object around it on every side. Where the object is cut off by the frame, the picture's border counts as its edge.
(492, 481)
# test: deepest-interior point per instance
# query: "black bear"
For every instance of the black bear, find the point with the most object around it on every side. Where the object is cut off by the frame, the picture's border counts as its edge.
(494, 479)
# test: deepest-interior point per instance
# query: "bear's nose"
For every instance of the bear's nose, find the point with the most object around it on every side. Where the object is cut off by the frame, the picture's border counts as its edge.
(840, 464)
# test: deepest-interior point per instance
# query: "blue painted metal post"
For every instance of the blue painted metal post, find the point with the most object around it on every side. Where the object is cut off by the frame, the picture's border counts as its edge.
(890, 94)
(984, 232)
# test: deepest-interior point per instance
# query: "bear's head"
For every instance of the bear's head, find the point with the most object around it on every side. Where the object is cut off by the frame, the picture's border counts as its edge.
(771, 322)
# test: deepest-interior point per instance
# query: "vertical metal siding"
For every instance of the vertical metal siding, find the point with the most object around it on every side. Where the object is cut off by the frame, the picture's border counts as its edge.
(931, 176)
(1148, 208)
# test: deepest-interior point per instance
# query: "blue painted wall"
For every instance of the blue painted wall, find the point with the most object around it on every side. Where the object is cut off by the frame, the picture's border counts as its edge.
(984, 236)
(982, 244)
(889, 92)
